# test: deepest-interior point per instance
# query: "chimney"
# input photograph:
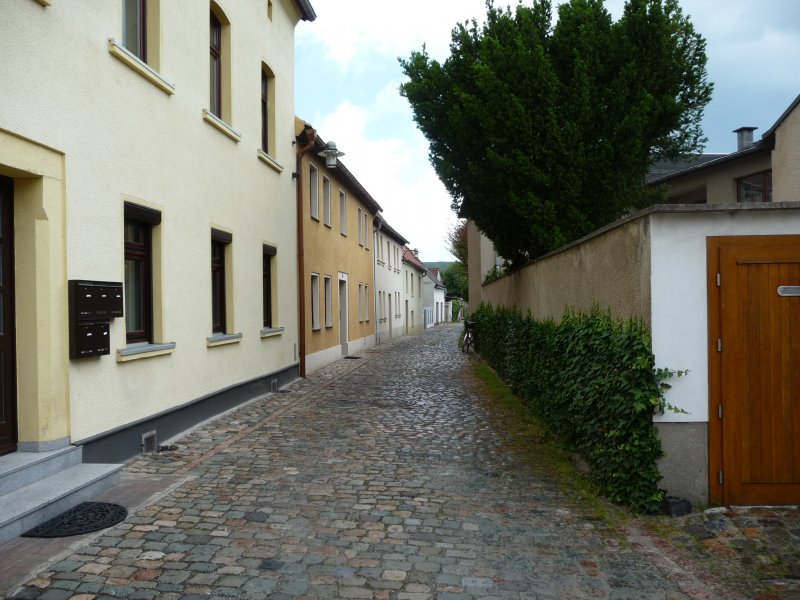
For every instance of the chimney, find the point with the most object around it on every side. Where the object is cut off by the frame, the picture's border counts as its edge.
(416, 252)
(744, 137)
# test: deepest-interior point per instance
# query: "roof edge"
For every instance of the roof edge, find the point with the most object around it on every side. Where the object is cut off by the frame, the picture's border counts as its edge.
(306, 10)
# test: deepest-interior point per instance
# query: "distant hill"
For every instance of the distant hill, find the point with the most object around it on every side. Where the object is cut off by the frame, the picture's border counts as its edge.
(442, 266)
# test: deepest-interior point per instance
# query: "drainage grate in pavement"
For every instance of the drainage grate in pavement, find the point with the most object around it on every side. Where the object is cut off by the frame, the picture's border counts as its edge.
(84, 518)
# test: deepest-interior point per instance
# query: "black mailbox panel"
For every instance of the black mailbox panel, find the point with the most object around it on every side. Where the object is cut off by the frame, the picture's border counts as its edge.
(89, 338)
(93, 300)
(92, 305)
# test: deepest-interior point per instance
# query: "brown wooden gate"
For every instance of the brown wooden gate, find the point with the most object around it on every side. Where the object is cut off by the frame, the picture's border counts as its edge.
(754, 369)
(8, 388)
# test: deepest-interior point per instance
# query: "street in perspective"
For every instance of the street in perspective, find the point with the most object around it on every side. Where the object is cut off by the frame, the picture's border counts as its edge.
(388, 475)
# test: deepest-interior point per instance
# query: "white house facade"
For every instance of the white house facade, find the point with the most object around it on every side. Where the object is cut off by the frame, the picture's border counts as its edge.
(413, 307)
(434, 298)
(390, 317)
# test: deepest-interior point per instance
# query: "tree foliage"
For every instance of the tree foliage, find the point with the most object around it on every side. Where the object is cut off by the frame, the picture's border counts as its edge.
(541, 133)
(457, 242)
(455, 280)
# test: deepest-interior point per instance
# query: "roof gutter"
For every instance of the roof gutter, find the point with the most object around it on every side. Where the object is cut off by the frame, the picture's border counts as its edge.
(306, 10)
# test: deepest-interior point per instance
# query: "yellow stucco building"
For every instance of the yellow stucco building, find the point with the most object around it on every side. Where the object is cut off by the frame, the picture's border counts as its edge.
(337, 295)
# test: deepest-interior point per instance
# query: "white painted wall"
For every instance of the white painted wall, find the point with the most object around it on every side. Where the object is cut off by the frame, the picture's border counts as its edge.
(679, 294)
(124, 138)
(388, 280)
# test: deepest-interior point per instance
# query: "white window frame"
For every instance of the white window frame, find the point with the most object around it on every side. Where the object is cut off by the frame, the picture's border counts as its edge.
(342, 213)
(360, 304)
(326, 201)
(315, 302)
(360, 229)
(328, 301)
(313, 191)
(366, 230)
(366, 302)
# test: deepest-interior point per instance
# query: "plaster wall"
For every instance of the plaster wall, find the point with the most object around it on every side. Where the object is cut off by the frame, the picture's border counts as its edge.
(786, 160)
(124, 138)
(412, 298)
(610, 269)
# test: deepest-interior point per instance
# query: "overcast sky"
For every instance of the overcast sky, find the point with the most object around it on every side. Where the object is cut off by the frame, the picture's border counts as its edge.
(347, 79)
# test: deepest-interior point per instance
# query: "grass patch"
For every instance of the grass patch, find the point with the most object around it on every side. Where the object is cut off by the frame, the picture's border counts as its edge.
(531, 441)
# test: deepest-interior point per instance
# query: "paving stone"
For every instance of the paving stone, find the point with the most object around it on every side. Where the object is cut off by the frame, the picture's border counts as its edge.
(389, 477)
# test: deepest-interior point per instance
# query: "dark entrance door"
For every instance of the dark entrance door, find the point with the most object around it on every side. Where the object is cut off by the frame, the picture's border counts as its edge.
(8, 388)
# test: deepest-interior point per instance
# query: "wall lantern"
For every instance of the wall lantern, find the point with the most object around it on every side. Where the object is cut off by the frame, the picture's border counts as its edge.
(331, 154)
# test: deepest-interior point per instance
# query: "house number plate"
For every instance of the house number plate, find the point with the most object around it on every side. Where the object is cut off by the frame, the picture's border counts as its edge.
(789, 290)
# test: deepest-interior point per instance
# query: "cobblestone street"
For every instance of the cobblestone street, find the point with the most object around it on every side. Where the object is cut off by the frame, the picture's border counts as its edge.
(378, 477)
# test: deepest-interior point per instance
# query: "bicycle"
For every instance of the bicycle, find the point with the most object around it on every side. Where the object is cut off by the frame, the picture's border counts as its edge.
(469, 336)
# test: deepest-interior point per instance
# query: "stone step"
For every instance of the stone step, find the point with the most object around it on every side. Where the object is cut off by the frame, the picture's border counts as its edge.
(19, 469)
(37, 502)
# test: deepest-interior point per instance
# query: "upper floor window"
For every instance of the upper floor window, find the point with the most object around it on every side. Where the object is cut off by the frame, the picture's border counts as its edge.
(215, 101)
(755, 188)
(360, 229)
(326, 201)
(134, 27)
(342, 213)
(267, 110)
(313, 190)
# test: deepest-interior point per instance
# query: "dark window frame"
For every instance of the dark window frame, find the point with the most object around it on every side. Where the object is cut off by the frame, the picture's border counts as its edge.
(141, 33)
(215, 46)
(268, 253)
(264, 110)
(765, 183)
(141, 252)
(219, 242)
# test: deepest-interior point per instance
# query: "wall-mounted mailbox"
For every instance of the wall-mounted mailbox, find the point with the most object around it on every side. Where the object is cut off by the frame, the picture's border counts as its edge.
(93, 300)
(90, 338)
(92, 305)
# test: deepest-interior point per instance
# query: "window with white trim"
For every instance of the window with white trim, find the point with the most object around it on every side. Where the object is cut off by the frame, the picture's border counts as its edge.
(360, 229)
(328, 302)
(366, 303)
(314, 302)
(342, 213)
(360, 304)
(313, 191)
(326, 201)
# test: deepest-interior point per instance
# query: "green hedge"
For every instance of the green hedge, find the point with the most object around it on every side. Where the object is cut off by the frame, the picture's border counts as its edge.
(593, 382)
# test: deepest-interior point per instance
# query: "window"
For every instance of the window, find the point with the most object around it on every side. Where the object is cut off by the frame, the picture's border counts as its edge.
(314, 302)
(269, 9)
(755, 188)
(267, 110)
(366, 229)
(389, 253)
(215, 101)
(366, 303)
(139, 222)
(360, 229)
(313, 189)
(134, 27)
(269, 253)
(360, 303)
(342, 213)
(326, 201)
(219, 243)
(328, 302)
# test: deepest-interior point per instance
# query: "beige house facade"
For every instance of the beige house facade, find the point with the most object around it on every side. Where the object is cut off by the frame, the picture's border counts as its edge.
(336, 253)
(146, 158)
(764, 170)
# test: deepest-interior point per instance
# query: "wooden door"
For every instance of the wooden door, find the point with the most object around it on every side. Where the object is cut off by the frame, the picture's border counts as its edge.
(755, 369)
(8, 388)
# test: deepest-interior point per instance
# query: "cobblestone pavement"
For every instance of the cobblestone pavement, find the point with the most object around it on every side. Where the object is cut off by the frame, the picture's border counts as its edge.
(381, 477)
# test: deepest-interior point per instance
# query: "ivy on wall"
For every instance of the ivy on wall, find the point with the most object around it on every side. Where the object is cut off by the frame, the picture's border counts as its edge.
(593, 381)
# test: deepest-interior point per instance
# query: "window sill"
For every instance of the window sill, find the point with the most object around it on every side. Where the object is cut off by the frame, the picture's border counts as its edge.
(141, 67)
(137, 351)
(221, 125)
(223, 339)
(328, 225)
(271, 331)
(266, 158)
(44, 2)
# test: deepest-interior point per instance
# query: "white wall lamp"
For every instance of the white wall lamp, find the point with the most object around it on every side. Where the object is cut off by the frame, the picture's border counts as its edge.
(331, 154)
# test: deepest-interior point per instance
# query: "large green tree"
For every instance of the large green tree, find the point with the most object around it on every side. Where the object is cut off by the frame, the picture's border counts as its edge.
(542, 133)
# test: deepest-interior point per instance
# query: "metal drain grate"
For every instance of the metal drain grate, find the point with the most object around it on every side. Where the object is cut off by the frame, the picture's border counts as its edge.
(84, 518)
